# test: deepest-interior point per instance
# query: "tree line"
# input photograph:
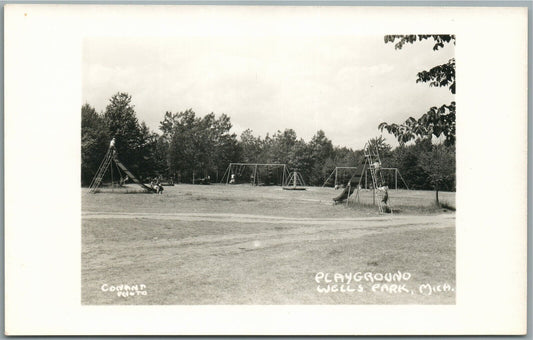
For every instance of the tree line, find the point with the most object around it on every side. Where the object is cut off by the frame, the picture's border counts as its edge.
(438, 160)
(191, 146)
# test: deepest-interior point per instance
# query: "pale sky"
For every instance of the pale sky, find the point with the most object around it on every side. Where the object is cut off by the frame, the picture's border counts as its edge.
(344, 85)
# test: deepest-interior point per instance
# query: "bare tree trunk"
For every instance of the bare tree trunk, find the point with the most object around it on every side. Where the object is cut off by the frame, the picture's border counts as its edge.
(437, 194)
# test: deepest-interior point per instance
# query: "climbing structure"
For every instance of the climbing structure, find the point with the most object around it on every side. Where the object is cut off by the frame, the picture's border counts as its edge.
(294, 182)
(378, 184)
(371, 163)
(107, 164)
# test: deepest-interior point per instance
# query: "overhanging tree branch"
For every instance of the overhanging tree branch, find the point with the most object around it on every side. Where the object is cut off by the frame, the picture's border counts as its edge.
(440, 76)
(439, 39)
(437, 121)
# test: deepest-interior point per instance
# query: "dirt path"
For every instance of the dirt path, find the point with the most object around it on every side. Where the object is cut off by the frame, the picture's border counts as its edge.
(287, 230)
(246, 218)
(244, 245)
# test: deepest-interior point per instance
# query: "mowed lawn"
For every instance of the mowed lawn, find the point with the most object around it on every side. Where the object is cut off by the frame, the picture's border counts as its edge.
(222, 244)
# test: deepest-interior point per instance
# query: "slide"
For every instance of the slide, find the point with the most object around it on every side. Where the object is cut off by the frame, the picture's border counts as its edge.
(130, 175)
(354, 182)
(344, 194)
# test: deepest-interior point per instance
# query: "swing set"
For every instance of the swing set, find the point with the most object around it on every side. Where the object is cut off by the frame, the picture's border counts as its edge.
(256, 174)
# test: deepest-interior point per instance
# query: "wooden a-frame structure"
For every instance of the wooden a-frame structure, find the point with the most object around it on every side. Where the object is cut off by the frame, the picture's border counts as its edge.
(107, 163)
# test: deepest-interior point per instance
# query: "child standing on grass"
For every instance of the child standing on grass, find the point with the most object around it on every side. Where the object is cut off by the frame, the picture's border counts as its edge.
(158, 186)
(385, 198)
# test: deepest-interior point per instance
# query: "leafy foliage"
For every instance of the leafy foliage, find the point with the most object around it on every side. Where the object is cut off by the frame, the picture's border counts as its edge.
(190, 145)
(440, 76)
(94, 142)
(406, 159)
(438, 120)
(439, 39)
(199, 146)
(378, 144)
(125, 128)
(439, 164)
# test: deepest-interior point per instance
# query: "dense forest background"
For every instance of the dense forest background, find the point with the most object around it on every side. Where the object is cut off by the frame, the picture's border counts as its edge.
(188, 145)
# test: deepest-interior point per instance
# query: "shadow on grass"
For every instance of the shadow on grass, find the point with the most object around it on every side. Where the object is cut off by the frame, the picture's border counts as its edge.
(446, 205)
(405, 209)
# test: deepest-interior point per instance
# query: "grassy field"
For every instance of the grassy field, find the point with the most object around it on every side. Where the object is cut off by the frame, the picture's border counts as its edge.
(222, 244)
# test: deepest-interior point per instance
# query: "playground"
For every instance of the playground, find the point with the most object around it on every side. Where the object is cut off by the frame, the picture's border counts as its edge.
(244, 244)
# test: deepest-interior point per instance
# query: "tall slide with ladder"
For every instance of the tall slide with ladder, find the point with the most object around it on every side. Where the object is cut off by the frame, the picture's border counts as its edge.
(352, 184)
(374, 165)
(109, 158)
(372, 162)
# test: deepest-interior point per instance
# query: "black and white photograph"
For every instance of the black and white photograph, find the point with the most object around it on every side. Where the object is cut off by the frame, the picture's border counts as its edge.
(265, 170)
(269, 170)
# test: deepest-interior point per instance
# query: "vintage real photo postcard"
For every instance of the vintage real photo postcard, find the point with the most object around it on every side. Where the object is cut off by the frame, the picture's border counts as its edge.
(265, 170)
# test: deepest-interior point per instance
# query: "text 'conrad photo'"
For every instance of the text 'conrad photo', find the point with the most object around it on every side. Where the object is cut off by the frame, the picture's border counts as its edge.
(268, 170)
